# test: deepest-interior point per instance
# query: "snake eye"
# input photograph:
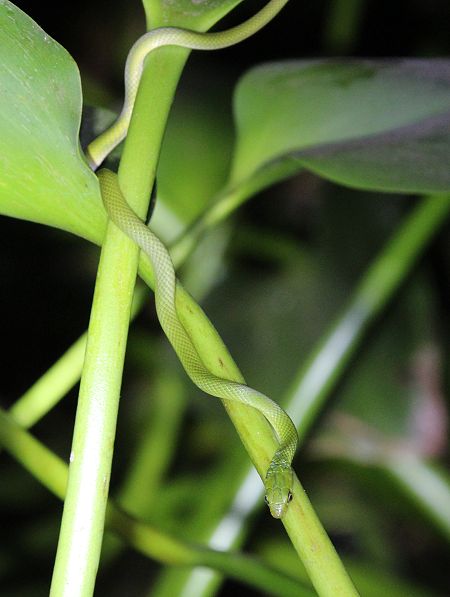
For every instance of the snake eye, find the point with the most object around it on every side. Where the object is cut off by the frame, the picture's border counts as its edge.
(290, 496)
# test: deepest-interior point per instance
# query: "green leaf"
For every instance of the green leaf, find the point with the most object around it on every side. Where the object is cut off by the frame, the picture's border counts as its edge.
(44, 177)
(190, 14)
(376, 125)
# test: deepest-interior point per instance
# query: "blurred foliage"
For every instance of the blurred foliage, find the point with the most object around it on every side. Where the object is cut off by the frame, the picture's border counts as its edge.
(293, 256)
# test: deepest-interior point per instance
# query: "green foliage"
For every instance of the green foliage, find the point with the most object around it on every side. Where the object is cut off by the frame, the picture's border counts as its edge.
(350, 121)
(45, 179)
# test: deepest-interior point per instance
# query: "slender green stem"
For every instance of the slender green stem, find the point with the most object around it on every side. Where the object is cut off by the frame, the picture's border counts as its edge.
(37, 459)
(325, 569)
(244, 568)
(342, 25)
(159, 440)
(225, 203)
(322, 371)
(51, 387)
(53, 473)
(426, 485)
(84, 508)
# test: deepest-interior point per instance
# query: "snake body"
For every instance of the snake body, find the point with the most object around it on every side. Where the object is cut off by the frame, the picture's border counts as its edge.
(169, 36)
(279, 476)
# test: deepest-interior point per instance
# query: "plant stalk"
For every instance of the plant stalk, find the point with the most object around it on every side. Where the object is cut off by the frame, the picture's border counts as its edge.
(83, 519)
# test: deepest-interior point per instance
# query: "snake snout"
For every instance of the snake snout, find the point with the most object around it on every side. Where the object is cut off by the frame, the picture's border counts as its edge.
(278, 508)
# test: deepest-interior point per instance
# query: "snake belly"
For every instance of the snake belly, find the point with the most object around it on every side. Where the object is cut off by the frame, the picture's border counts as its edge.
(279, 476)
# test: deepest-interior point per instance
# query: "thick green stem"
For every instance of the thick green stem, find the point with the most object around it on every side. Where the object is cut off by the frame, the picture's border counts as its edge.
(92, 448)
(81, 532)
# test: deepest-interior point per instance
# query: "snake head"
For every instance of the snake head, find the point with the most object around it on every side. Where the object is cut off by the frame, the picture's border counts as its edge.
(278, 485)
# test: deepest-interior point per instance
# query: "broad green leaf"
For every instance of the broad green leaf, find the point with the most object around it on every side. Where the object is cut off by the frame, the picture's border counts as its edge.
(377, 125)
(413, 159)
(43, 176)
(190, 14)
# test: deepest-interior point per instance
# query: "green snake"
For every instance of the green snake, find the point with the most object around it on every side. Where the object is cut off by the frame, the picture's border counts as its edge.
(279, 476)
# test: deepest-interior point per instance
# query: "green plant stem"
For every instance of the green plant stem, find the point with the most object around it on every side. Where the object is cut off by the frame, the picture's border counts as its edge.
(51, 387)
(82, 525)
(305, 531)
(319, 376)
(246, 569)
(342, 25)
(53, 473)
(427, 486)
(159, 440)
(225, 203)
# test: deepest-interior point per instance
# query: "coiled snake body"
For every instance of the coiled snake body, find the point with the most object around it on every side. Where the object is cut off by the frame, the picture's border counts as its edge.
(279, 475)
